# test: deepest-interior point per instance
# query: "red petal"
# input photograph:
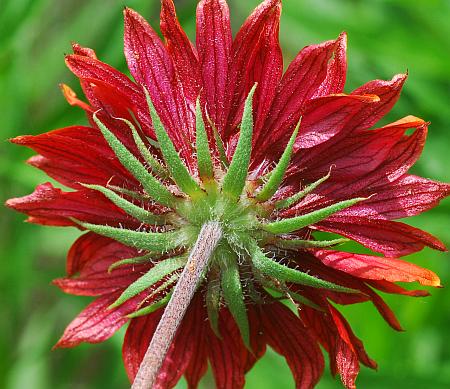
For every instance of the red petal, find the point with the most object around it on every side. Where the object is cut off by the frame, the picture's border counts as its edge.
(387, 91)
(89, 247)
(393, 239)
(73, 100)
(213, 46)
(337, 69)
(344, 348)
(137, 339)
(91, 256)
(287, 335)
(51, 206)
(401, 157)
(85, 51)
(327, 116)
(183, 54)
(355, 154)
(181, 351)
(76, 154)
(257, 339)
(198, 364)
(225, 355)
(108, 89)
(349, 337)
(96, 323)
(184, 346)
(255, 57)
(301, 82)
(389, 287)
(377, 268)
(313, 266)
(151, 66)
(408, 196)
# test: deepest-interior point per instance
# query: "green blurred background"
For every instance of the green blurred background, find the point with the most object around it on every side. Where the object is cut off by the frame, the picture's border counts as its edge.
(385, 37)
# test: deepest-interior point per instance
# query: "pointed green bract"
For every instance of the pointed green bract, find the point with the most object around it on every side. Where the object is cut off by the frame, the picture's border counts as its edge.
(304, 244)
(178, 170)
(156, 167)
(127, 192)
(154, 241)
(204, 161)
(152, 186)
(152, 307)
(213, 305)
(165, 285)
(296, 223)
(275, 270)
(280, 287)
(219, 144)
(131, 261)
(234, 181)
(130, 208)
(276, 175)
(234, 297)
(303, 300)
(154, 275)
(290, 201)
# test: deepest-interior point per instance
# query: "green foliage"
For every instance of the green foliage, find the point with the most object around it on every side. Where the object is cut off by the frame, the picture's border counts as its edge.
(234, 180)
(233, 294)
(385, 37)
(152, 186)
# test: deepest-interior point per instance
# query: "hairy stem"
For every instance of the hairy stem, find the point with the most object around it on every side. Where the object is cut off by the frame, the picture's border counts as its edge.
(207, 241)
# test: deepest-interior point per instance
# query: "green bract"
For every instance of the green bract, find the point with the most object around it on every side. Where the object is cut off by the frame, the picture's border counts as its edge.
(245, 262)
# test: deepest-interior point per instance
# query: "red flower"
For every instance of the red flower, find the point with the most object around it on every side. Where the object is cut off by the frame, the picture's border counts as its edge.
(144, 205)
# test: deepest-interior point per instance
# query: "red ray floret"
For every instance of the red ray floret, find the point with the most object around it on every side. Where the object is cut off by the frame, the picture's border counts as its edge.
(152, 167)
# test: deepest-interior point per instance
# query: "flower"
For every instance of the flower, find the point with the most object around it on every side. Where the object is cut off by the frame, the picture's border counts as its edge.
(216, 131)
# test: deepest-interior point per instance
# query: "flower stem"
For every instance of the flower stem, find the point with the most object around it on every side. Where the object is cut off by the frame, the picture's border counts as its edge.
(207, 241)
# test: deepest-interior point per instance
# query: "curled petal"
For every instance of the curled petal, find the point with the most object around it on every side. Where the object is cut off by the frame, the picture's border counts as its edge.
(85, 51)
(390, 287)
(336, 336)
(387, 91)
(377, 268)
